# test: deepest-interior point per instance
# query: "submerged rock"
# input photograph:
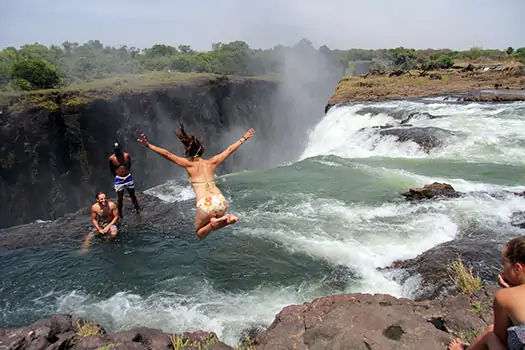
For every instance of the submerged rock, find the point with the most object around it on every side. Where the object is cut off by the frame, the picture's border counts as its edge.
(432, 190)
(154, 212)
(426, 137)
(517, 219)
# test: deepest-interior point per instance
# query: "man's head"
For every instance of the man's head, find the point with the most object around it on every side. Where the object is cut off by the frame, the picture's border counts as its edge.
(101, 198)
(116, 148)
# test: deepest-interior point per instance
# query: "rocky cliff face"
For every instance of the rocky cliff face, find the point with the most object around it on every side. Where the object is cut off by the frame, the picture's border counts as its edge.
(53, 161)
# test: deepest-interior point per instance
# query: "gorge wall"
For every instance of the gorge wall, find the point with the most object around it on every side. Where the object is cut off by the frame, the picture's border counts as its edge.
(54, 161)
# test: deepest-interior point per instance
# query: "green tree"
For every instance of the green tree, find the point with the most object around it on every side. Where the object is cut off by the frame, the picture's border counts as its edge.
(35, 74)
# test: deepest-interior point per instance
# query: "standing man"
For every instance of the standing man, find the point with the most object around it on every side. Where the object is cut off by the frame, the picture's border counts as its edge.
(120, 166)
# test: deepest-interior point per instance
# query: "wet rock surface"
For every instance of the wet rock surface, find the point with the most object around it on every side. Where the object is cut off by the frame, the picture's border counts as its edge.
(426, 137)
(154, 213)
(431, 268)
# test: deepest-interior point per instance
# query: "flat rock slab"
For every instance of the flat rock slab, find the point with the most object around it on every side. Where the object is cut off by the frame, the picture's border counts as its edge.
(364, 321)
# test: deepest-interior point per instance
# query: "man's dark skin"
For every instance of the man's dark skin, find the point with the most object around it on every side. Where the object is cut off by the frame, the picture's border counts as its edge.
(120, 165)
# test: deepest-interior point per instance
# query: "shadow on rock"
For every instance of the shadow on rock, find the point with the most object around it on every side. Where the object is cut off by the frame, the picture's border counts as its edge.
(430, 269)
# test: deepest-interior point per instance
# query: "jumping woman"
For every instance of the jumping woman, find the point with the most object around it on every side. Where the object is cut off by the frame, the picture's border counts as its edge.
(211, 204)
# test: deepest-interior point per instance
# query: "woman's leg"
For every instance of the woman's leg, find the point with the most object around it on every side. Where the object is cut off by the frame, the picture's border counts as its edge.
(486, 340)
(204, 223)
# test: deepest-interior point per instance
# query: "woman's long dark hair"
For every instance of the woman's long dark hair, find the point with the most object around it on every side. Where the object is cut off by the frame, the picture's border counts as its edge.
(193, 147)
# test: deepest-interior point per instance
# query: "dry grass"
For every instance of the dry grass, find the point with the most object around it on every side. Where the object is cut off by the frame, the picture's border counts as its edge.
(463, 277)
(179, 343)
(383, 87)
(84, 329)
(79, 94)
(87, 329)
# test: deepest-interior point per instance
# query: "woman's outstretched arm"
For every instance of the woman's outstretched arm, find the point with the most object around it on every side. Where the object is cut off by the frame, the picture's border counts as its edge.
(183, 162)
(219, 158)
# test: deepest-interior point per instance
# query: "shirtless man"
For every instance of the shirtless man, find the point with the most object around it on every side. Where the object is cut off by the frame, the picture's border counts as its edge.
(120, 167)
(104, 216)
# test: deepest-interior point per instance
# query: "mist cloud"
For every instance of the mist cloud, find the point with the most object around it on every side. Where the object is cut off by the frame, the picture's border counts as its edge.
(336, 23)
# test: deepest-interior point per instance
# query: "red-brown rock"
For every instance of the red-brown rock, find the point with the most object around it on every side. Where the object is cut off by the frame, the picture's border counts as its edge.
(435, 189)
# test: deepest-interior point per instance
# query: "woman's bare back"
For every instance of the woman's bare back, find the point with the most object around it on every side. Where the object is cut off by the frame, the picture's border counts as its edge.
(201, 175)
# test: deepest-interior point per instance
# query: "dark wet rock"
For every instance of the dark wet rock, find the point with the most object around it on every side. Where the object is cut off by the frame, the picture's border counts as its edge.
(426, 137)
(433, 190)
(328, 107)
(363, 321)
(517, 219)
(521, 194)
(154, 213)
(431, 267)
(66, 332)
(386, 126)
(403, 115)
(249, 335)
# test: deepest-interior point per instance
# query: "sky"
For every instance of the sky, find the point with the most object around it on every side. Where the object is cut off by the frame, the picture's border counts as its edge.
(339, 24)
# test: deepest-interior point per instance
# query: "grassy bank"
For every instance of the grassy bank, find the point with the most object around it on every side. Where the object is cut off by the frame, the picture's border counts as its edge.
(78, 94)
(461, 78)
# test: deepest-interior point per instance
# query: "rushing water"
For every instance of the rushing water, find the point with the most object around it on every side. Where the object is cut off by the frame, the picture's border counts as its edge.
(318, 226)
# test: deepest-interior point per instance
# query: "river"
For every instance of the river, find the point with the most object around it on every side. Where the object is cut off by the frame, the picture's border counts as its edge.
(316, 226)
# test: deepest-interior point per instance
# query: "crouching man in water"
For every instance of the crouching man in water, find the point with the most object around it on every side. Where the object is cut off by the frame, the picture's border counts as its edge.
(104, 215)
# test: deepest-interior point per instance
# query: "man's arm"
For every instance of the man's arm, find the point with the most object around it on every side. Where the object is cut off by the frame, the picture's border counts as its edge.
(219, 158)
(94, 219)
(112, 167)
(114, 211)
(129, 162)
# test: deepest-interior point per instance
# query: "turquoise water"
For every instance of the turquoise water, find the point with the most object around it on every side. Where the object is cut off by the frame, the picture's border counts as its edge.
(317, 226)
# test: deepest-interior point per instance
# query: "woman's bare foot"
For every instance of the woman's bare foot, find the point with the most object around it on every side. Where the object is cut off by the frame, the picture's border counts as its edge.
(215, 222)
(456, 344)
(231, 219)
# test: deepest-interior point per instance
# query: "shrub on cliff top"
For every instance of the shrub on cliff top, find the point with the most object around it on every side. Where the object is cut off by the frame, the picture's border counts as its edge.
(35, 74)
(463, 277)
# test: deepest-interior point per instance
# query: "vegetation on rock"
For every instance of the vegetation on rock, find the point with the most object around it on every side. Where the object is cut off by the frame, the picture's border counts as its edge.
(463, 277)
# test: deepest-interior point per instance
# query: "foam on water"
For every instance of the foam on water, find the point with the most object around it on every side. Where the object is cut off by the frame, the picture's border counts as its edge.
(172, 191)
(226, 314)
(491, 133)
